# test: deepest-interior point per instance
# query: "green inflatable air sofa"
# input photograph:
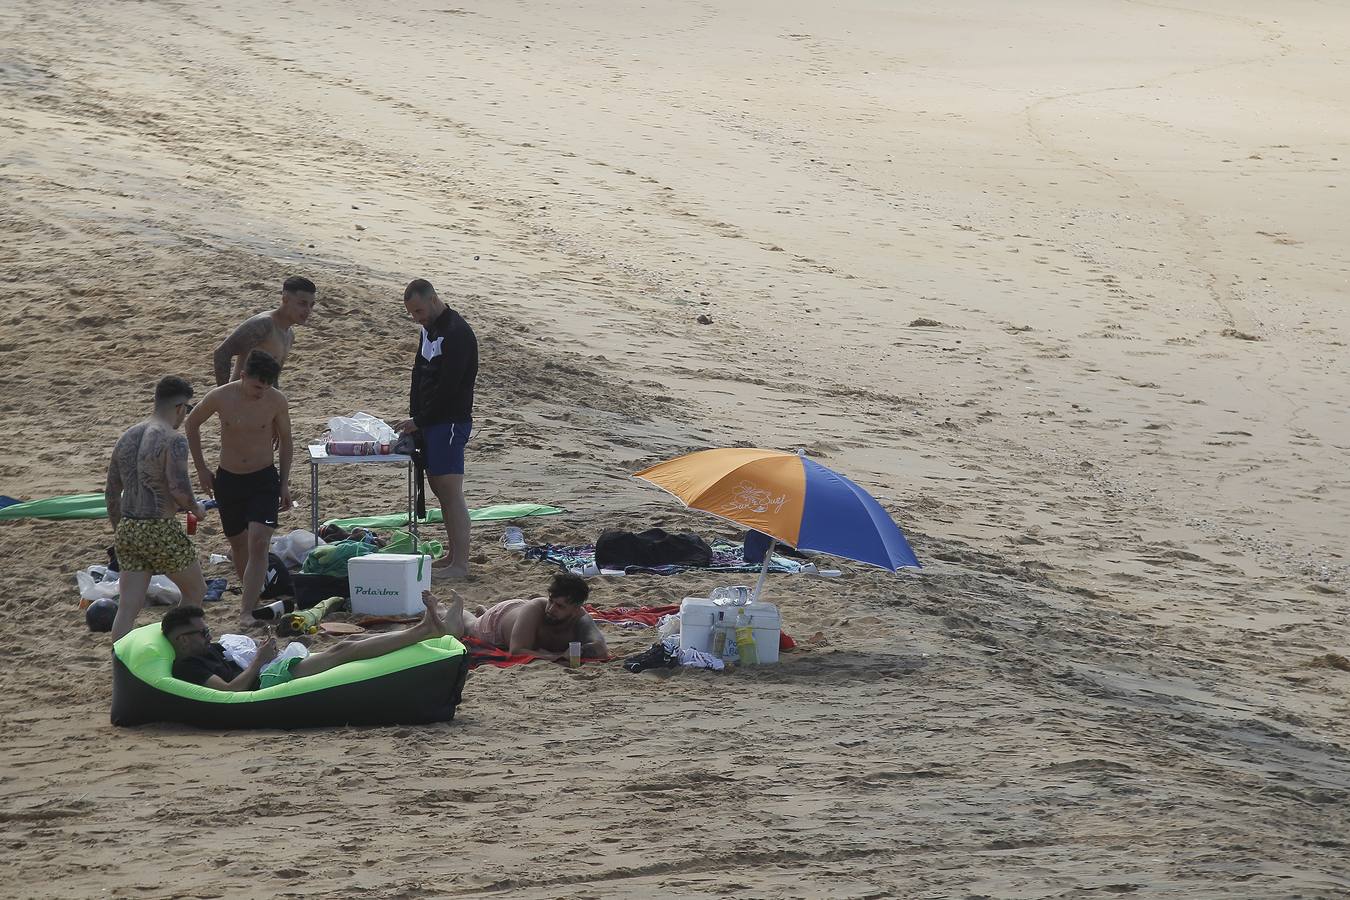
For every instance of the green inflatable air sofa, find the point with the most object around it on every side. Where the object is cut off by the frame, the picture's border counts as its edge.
(418, 684)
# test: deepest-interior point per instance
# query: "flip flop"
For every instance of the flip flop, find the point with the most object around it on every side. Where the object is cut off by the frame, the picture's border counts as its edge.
(340, 628)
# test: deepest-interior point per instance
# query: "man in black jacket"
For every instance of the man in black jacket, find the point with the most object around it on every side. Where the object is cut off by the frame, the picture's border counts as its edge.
(441, 406)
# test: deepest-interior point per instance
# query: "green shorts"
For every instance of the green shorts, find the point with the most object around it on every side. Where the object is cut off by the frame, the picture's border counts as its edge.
(278, 671)
(153, 545)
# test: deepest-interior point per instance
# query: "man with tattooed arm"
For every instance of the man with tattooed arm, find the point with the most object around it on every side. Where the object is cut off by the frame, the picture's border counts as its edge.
(269, 331)
(147, 486)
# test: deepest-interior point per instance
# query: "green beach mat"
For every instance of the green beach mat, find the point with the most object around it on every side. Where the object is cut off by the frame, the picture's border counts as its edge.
(73, 506)
(484, 514)
(93, 506)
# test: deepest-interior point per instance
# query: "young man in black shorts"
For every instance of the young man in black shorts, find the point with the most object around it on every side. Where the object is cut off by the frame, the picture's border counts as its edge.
(248, 487)
(441, 405)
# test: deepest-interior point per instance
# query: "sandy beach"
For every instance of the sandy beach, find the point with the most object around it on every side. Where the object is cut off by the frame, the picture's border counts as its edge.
(1063, 285)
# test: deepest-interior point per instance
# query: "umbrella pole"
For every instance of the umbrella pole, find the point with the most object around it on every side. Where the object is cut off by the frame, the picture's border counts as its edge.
(763, 571)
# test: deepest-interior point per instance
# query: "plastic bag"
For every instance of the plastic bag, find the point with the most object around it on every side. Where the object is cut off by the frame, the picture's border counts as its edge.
(96, 583)
(240, 649)
(99, 583)
(292, 548)
(163, 592)
(669, 625)
(360, 427)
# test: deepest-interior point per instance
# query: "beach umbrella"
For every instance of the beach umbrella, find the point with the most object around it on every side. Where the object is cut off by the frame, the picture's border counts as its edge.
(791, 498)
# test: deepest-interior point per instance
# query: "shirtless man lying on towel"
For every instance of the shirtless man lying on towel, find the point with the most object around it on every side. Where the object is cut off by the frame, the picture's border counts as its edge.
(541, 627)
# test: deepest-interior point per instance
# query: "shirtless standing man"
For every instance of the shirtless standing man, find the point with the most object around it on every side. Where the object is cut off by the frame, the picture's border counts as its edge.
(148, 485)
(270, 331)
(247, 486)
(541, 627)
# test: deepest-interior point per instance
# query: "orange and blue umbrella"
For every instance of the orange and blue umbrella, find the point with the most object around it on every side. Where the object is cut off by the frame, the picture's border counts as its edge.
(789, 497)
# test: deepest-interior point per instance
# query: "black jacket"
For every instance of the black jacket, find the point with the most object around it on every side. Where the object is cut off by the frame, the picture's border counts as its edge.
(442, 385)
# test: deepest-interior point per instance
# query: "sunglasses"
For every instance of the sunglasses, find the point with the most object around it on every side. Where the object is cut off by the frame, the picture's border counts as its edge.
(190, 407)
(204, 632)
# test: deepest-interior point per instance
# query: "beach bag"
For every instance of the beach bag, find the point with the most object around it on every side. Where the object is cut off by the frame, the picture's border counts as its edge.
(653, 547)
(311, 590)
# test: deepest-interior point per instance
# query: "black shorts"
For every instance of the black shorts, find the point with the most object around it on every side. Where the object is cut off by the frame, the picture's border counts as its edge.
(255, 497)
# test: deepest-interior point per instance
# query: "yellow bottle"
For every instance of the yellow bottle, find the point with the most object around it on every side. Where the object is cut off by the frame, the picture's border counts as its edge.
(745, 641)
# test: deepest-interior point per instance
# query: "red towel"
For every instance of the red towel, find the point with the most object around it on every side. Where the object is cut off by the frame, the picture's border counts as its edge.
(641, 615)
(481, 653)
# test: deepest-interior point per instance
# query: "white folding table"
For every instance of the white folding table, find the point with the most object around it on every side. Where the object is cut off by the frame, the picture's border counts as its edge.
(318, 457)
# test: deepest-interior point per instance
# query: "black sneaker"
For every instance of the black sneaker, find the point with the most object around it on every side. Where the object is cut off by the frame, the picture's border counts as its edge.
(654, 657)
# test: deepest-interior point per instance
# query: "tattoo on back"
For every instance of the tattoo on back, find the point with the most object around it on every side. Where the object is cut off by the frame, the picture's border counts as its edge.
(140, 458)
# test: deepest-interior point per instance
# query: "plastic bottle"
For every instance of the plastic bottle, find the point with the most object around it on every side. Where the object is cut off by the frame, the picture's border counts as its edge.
(719, 638)
(192, 523)
(745, 640)
(274, 610)
(731, 596)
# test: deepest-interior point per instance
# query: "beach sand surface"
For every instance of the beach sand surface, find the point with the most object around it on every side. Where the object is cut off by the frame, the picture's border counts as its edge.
(1062, 284)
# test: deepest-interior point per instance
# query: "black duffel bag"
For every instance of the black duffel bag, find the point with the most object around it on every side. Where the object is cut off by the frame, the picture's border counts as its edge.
(653, 547)
(313, 589)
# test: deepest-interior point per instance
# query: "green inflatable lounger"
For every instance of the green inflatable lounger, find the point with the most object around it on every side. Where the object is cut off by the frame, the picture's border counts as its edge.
(418, 684)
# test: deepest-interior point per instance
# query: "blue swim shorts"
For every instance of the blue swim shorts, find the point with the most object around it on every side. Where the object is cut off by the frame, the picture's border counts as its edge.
(444, 447)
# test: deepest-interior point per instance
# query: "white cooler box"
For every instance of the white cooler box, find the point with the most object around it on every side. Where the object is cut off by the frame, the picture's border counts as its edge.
(388, 584)
(700, 617)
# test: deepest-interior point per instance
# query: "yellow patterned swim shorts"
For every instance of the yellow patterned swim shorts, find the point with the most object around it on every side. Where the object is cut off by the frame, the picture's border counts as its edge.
(153, 545)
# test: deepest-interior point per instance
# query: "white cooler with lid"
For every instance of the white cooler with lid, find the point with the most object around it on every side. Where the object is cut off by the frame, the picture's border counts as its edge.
(388, 584)
(701, 617)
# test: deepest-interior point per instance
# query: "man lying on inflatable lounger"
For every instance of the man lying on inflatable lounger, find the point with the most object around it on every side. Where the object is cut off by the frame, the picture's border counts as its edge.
(198, 660)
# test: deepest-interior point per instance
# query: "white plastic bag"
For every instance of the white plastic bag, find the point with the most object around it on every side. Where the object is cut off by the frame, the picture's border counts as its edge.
(97, 583)
(668, 626)
(163, 592)
(240, 649)
(294, 547)
(360, 427)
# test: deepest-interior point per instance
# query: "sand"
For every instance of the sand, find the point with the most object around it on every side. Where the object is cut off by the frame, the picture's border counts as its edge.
(1063, 284)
